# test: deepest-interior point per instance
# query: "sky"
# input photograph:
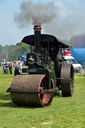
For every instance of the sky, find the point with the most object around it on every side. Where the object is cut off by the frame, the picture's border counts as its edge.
(65, 18)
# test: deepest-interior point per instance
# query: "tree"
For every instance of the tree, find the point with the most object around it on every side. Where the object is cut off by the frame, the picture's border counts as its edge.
(13, 52)
(22, 48)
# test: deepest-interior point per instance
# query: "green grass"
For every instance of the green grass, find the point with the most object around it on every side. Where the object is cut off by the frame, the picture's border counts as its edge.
(62, 113)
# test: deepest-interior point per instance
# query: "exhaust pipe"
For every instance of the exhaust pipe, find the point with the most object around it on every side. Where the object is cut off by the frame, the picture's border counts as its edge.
(37, 38)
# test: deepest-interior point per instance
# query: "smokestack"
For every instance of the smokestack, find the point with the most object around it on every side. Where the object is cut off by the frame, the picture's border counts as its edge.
(37, 38)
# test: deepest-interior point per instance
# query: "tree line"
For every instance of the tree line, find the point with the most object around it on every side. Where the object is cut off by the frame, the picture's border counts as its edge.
(13, 52)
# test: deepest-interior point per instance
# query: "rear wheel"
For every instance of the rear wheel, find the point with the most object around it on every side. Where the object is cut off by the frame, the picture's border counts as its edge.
(67, 79)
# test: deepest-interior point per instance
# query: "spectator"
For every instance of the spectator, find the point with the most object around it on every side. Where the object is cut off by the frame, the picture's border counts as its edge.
(10, 68)
(5, 67)
(20, 67)
(0, 64)
(16, 65)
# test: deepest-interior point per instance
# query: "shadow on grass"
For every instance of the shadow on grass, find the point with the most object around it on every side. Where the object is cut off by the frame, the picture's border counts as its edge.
(5, 101)
(12, 105)
(7, 104)
(4, 97)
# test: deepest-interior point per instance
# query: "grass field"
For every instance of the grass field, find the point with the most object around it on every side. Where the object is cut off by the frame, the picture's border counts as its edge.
(62, 113)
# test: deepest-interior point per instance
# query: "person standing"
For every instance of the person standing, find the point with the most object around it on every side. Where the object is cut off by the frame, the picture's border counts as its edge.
(16, 65)
(20, 67)
(10, 68)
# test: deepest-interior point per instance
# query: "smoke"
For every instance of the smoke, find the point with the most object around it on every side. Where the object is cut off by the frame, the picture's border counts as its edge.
(61, 18)
(69, 21)
(35, 13)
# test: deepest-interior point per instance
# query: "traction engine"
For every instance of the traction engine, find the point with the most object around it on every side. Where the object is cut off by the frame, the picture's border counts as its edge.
(47, 72)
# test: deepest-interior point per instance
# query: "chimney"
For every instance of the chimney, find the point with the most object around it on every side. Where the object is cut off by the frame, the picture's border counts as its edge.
(37, 38)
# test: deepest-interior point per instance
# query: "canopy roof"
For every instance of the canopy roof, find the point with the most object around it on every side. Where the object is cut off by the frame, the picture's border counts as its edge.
(45, 40)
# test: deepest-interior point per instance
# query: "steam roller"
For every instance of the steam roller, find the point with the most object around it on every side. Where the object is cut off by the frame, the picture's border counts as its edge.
(46, 74)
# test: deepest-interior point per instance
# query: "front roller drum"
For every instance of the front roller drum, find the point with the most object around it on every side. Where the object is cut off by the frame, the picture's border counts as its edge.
(25, 90)
(67, 79)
